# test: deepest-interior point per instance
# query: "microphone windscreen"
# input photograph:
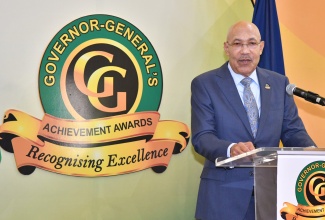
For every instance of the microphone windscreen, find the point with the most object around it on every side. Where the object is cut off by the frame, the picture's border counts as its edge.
(290, 88)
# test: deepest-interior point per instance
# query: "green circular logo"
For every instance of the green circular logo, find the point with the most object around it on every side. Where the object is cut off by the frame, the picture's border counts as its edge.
(310, 184)
(99, 66)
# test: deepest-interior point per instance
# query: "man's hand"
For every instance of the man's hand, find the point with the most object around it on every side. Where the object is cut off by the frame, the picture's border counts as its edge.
(241, 147)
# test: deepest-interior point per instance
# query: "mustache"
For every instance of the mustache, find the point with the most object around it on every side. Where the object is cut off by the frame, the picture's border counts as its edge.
(245, 58)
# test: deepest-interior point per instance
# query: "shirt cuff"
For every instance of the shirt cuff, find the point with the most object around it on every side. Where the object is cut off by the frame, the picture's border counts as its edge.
(228, 150)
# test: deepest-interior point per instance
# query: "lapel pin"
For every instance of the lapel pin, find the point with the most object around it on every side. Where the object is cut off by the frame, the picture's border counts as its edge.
(267, 86)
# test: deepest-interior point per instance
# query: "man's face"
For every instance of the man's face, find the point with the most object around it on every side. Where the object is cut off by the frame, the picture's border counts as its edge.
(244, 47)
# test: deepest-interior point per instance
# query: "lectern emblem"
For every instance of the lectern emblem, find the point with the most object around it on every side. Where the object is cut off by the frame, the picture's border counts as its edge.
(310, 194)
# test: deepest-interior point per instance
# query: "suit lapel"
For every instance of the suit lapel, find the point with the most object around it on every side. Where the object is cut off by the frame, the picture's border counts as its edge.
(230, 91)
(265, 93)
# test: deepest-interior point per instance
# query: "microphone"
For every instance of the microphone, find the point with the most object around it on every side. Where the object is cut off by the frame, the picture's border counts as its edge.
(307, 95)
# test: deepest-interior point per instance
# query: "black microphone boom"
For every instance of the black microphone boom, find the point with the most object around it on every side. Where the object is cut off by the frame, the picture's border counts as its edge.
(309, 96)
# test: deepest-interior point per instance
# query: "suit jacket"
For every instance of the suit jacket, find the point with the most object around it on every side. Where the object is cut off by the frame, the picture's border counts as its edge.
(219, 119)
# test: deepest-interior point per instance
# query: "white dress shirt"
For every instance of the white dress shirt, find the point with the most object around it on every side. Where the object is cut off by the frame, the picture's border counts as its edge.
(255, 87)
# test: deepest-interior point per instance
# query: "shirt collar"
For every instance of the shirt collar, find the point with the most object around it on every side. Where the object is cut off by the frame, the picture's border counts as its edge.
(237, 77)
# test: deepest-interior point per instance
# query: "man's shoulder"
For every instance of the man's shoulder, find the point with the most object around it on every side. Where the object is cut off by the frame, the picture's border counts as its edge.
(212, 73)
(270, 73)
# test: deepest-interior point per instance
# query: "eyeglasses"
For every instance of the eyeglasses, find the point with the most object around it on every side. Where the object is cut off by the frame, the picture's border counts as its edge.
(250, 45)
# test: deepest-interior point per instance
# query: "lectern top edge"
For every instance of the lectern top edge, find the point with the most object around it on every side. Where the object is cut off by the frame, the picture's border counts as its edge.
(264, 156)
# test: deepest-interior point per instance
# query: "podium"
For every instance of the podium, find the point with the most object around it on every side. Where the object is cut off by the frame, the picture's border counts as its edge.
(281, 178)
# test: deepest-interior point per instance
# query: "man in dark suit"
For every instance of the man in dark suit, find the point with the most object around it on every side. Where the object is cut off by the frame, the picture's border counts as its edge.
(221, 126)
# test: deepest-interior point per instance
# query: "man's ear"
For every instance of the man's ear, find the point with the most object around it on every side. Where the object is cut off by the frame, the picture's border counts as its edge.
(226, 48)
(261, 47)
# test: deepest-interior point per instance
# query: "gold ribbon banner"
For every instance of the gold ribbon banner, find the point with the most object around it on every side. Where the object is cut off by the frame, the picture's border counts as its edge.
(87, 148)
(301, 212)
(99, 130)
